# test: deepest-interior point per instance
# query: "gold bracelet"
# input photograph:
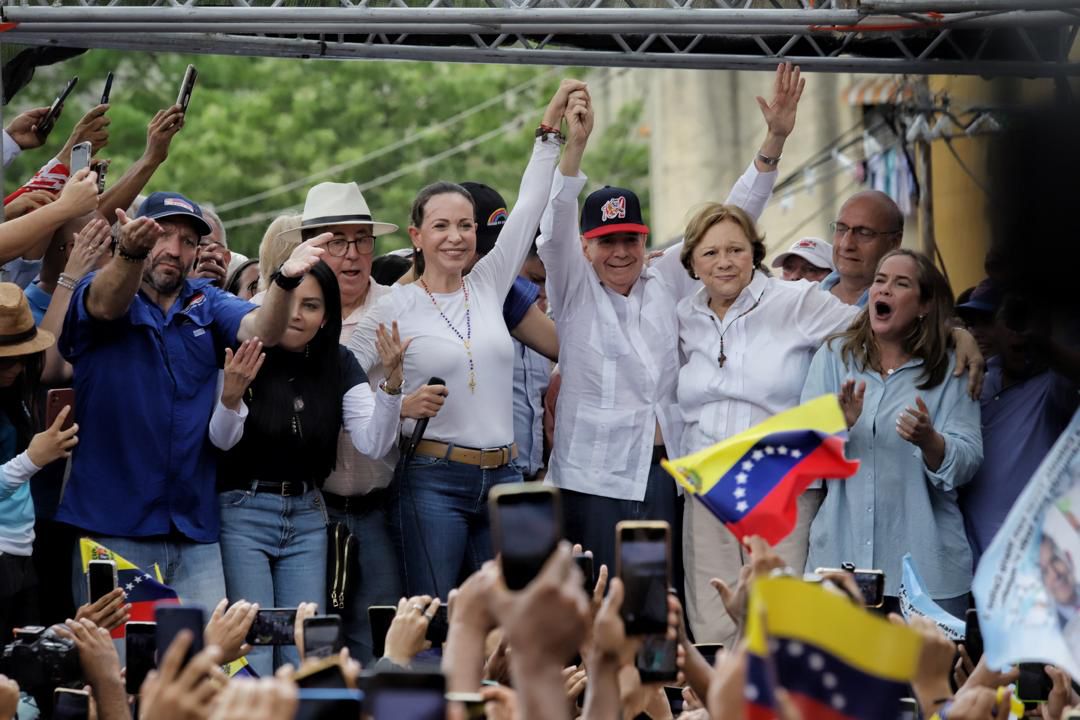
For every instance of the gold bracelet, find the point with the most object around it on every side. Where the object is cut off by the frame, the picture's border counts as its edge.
(389, 391)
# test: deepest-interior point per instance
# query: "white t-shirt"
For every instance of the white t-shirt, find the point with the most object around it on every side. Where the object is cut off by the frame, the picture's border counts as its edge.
(481, 417)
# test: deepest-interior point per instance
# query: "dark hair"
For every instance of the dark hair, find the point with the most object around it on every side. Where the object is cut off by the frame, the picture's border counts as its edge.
(388, 269)
(17, 402)
(232, 284)
(416, 215)
(314, 375)
(929, 339)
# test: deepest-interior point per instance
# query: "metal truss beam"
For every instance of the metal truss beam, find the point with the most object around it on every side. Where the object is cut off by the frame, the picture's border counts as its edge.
(1031, 38)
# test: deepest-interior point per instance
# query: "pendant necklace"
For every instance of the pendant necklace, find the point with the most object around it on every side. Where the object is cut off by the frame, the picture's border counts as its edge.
(722, 358)
(466, 339)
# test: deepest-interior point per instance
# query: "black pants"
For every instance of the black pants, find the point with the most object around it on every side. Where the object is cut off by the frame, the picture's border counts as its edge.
(18, 594)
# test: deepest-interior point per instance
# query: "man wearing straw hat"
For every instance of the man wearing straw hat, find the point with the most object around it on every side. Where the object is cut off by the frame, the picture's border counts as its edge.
(145, 342)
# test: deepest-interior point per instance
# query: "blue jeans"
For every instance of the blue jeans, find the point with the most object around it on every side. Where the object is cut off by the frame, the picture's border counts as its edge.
(192, 569)
(442, 522)
(274, 552)
(379, 578)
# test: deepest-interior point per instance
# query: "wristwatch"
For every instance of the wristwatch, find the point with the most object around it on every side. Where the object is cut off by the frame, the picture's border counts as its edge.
(770, 161)
(388, 390)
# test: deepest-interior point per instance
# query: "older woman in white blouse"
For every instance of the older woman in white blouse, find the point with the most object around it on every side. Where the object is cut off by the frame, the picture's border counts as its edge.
(747, 340)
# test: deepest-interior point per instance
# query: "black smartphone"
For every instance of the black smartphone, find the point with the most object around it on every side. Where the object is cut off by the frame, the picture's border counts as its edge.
(585, 564)
(80, 156)
(525, 529)
(140, 643)
(643, 563)
(328, 704)
(49, 121)
(186, 87)
(1034, 684)
(439, 626)
(171, 619)
(709, 651)
(70, 704)
(871, 583)
(380, 617)
(322, 674)
(655, 659)
(973, 641)
(108, 89)
(100, 578)
(407, 696)
(273, 626)
(100, 167)
(322, 636)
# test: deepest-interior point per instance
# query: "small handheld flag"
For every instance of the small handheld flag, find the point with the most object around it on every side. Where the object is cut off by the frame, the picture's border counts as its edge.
(752, 480)
(836, 660)
(142, 589)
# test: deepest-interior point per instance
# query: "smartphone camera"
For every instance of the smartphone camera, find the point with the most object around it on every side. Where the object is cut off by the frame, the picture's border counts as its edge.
(322, 636)
(273, 626)
(140, 644)
(526, 528)
(407, 696)
(174, 619)
(100, 579)
(656, 659)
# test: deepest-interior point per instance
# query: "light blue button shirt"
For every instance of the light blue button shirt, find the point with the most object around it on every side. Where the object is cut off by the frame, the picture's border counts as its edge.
(894, 504)
(834, 277)
(532, 373)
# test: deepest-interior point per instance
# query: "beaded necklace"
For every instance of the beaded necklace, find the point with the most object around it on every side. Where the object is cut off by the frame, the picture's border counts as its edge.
(466, 339)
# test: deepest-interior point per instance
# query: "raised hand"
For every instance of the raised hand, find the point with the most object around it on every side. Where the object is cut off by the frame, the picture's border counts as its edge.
(241, 368)
(426, 401)
(88, 247)
(392, 353)
(9, 697)
(264, 699)
(53, 443)
(138, 236)
(780, 112)
(109, 612)
(915, 424)
(182, 692)
(851, 401)
(27, 203)
(228, 629)
(80, 194)
(94, 126)
(303, 611)
(97, 654)
(406, 637)
(160, 132)
(306, 254)
(23, 130)
(762, 562)
(210, 263)
(579, 117)
(557, 106)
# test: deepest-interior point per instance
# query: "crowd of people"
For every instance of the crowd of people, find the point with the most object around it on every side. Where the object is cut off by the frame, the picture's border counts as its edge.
(319, 428)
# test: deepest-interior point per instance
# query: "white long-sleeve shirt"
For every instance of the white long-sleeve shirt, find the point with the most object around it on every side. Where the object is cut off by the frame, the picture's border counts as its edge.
(618, 355)
(480, 418)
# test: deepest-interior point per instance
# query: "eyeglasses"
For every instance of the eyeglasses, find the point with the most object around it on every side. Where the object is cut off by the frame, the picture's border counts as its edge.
(340, 248)
(862, 234)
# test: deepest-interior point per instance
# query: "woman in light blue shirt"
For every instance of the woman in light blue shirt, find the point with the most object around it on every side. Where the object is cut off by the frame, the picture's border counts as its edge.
(912, 426)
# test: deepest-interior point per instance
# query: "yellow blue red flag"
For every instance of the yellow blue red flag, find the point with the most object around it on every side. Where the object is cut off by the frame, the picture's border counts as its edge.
(751, 480)
(142, 589)
(836, 660)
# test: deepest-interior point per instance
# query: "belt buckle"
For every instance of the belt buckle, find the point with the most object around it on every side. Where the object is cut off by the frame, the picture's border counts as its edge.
(499, 454)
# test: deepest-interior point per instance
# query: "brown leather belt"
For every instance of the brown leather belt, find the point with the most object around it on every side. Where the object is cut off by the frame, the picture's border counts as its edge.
(485, 459)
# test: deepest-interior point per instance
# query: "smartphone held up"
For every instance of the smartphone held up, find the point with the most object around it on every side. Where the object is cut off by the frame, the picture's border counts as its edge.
(526, 527)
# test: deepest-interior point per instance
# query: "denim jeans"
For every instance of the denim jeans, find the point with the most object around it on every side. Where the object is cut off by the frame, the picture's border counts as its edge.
(192, 569)
(379, 579)
(442, 521)
(274, 552)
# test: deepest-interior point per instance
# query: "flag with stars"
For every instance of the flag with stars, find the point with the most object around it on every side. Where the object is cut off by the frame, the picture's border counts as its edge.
(142, 590)
(751, 480)
(836, 660)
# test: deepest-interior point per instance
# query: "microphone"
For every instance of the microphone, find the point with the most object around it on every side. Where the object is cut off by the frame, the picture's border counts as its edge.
(422, 423)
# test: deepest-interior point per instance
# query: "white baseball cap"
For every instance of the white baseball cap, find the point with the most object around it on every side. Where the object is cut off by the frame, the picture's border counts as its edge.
(813, 250)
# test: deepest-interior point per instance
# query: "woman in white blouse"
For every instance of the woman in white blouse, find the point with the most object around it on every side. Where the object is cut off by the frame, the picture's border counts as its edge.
(747, 340)
(458, 334)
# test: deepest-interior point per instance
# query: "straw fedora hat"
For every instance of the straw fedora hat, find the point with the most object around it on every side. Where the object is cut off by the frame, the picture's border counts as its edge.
(331, 203)
(18, 334)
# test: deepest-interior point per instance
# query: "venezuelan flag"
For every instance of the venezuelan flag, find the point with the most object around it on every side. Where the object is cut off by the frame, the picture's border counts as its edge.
(141, 589)
(751, 481)
(836, 660)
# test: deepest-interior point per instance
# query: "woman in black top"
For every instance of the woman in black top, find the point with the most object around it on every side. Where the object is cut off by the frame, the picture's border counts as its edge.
(277, 423)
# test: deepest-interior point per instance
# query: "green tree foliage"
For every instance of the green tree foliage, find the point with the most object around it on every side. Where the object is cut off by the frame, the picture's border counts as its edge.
(257, 124)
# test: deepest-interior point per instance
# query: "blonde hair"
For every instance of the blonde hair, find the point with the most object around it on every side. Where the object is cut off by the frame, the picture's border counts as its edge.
(712, 214)
(276, 246)
(930, 337)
